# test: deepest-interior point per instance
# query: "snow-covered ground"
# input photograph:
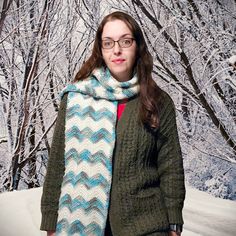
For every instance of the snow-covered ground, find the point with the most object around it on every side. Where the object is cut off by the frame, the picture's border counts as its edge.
(204, 215)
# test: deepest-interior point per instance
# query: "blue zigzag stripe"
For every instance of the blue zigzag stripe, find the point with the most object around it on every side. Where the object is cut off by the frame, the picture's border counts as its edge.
(129, 93)
(88, 182)
(78, 227)
(87, 133)
(80, 203)
(85, 155)
(77, 111)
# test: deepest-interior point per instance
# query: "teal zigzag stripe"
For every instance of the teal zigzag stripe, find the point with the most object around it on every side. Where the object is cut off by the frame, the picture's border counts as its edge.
(77, 111)
(88, 182)
(87, 133)
(78, 227)
(85, 155)
(80, 203)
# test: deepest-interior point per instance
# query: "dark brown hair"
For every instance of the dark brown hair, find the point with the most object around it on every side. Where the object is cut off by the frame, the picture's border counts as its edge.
(150, 93)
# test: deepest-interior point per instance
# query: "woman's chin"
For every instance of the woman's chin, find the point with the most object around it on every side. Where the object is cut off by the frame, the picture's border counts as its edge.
(121, 75)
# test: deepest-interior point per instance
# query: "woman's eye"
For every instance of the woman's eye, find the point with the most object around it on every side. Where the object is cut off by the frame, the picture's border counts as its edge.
(126, 42)
(107, 43)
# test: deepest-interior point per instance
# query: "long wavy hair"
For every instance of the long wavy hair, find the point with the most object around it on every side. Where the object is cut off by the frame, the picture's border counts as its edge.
(150, 93)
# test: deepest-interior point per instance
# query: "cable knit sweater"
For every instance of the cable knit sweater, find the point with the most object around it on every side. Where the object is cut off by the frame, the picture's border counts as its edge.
(147, 192)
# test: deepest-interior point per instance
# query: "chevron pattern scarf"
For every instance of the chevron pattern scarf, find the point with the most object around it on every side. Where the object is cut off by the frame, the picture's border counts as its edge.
(89, 144)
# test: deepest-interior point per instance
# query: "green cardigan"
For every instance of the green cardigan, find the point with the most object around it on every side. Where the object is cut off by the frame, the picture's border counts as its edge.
(147, 192)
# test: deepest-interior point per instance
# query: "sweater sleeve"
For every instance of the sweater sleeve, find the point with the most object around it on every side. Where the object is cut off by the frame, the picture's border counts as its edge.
(55, 172)
(170, 164)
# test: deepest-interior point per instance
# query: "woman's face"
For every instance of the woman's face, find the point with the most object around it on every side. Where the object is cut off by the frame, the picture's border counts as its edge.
(119, 60)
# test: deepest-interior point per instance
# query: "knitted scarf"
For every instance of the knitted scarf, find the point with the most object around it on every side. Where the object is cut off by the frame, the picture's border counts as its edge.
(90, 134)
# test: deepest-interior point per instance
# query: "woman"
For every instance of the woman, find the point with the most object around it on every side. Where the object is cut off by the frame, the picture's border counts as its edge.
(115, 166)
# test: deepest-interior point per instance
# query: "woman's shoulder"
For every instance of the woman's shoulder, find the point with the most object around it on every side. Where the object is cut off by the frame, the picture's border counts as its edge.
(63, 101)
(166, 99)
(167, 105)
(64, 97)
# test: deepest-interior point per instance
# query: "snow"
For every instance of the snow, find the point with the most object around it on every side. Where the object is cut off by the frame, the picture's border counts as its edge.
(20, 213)
(204, 215)
(207, 216)
(232, 60)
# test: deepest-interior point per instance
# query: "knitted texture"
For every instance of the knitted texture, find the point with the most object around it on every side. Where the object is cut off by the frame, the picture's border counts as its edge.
(147, 190)
(89, 143)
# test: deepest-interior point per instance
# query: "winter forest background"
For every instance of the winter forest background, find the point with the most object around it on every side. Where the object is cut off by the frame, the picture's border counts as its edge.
(44, 42)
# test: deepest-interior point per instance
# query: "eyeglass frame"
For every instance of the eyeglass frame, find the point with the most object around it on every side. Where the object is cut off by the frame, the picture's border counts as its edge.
(117, 41)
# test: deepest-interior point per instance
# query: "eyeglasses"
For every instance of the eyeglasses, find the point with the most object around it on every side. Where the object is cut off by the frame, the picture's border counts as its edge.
(123, 43)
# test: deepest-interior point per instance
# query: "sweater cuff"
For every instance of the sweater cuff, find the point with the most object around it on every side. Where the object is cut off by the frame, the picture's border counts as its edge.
(175, 216)
(49, 221)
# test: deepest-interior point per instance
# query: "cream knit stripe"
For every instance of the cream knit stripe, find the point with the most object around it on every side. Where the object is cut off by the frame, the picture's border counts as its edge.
(90, 193)
(83, 215)
(91, 169)
(83, 126)
(73, 141)
(91, 174)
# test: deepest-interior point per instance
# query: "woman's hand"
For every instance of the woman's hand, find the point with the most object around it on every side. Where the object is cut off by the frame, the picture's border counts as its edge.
(172, 233)
(51, 233)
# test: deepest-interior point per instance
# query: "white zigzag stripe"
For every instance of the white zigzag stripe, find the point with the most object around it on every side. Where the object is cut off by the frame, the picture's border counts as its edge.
(95, 127)
(96, 104)
(85, 218)
(96, 146)
(90, 170)
(90, 101)
(95, 168)
(87, 194)
(75, 141)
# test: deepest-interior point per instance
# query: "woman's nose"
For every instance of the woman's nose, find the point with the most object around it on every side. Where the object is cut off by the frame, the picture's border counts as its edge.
(117, 48)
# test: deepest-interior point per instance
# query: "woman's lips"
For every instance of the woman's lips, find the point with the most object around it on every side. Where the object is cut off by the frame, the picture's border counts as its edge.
(118, 61)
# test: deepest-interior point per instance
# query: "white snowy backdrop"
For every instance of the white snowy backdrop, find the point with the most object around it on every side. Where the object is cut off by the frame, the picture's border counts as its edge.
(204, 215)
(193, 43)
